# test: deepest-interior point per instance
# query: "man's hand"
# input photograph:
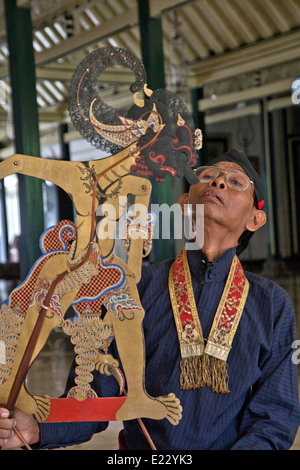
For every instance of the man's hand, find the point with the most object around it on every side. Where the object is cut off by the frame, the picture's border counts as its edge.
(24, 423)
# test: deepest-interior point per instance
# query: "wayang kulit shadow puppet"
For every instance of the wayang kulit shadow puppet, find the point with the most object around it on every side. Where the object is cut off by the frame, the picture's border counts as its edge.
(78, 266)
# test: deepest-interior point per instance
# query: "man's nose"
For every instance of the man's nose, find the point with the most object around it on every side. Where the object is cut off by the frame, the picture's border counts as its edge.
(219, 181)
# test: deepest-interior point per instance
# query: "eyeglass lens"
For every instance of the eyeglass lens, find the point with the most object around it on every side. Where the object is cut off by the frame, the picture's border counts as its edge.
(235, 179)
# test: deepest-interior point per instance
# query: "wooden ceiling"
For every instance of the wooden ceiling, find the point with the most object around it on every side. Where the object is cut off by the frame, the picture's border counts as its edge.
(222, 38)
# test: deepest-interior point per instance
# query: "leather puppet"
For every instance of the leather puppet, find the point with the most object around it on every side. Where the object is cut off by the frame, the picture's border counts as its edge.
(77, 266)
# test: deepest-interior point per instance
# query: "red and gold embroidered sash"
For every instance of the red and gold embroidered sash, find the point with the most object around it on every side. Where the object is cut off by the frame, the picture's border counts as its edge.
(205, 364)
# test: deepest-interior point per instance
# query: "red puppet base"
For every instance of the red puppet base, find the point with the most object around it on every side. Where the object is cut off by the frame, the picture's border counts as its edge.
(91, 409)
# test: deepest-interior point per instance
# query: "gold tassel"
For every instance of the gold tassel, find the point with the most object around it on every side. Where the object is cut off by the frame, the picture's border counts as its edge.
(201, 371)
(219, 375)
(194, 372)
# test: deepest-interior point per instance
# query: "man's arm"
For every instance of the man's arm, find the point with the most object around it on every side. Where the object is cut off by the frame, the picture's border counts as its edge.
(271, 419)
(48, 435)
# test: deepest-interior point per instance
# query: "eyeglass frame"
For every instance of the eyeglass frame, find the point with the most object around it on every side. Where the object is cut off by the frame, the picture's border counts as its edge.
(226, 176)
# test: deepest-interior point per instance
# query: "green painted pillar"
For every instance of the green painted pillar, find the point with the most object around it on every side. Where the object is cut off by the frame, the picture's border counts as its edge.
(26, 126)
(153, 59)
(151, 45)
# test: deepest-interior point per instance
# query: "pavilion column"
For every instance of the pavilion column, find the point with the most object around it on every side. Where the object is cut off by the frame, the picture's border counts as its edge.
(26, 128)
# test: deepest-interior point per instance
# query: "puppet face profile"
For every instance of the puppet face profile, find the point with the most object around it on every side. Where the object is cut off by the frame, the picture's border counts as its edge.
(171, 149)
(158, 130)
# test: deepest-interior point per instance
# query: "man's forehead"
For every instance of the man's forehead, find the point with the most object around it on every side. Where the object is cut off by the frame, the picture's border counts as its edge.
(229, 166)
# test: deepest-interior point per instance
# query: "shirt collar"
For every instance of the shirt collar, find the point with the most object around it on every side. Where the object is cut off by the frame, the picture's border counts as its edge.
(201, 267)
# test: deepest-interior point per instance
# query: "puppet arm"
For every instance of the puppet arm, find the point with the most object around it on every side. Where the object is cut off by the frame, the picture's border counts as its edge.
(141, 188)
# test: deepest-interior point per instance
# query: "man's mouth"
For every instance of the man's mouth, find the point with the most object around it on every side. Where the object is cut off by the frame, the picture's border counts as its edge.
(214, 195)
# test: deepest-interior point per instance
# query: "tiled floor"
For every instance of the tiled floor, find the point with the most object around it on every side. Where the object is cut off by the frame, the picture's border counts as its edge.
(48, 373)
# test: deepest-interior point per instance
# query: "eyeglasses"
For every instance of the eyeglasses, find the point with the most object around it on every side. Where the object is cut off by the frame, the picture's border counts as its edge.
(235, 179)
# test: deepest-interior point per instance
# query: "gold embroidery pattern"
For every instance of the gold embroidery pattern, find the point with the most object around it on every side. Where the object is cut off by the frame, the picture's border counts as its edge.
(186, 316)
(229, 312)
(90, 335)
(206, 365)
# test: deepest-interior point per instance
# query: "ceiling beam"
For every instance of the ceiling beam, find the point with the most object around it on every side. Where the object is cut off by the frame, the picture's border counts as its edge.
(238, 22)
(206, 34)
(190, 33)
(159, 6)
(281, 86)
(235, 113)
(121, 21)
(59, 112)
(247, 110)
(219, 23)
(187, 34)
(259, 56)
(55, 10)
(258, 21)
(244, 60)
(107, 29)
(44, 116)
(124, 76)
(275, 11)
(293, 8)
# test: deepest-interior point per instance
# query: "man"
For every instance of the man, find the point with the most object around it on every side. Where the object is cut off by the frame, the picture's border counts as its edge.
(231, 367)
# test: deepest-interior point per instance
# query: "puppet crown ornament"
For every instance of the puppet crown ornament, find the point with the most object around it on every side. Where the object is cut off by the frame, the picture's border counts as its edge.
(78, 267)
(159, 127)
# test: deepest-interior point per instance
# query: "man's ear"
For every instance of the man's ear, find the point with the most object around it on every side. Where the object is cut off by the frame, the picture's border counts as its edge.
(258, 220)
(184, 199)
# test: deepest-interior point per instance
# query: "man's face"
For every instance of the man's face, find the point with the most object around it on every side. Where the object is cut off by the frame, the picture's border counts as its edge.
(224, 206)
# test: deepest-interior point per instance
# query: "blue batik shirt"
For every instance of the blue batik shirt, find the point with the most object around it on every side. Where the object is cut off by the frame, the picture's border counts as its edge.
(262, 409)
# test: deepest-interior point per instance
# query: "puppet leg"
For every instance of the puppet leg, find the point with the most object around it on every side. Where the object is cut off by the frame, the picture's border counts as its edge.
(127, 325)
(36, 405)
(89, 334)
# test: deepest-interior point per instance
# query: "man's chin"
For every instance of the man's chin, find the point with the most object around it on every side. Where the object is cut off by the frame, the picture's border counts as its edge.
(214, 212)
